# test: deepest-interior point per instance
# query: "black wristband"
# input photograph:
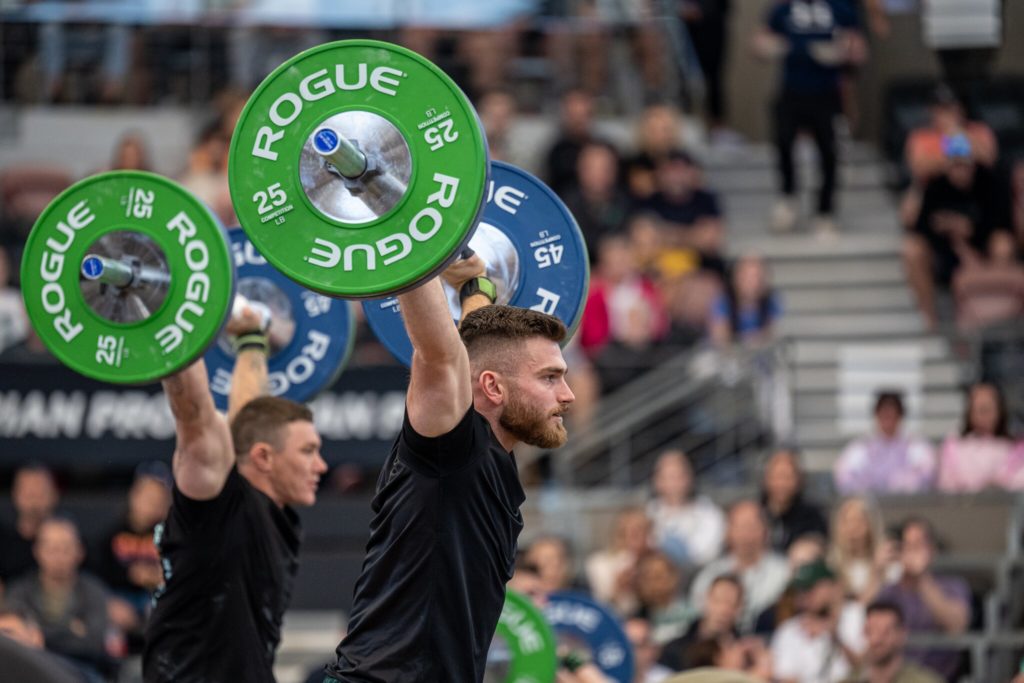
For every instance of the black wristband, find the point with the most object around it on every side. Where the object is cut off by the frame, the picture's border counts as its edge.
(478, 285)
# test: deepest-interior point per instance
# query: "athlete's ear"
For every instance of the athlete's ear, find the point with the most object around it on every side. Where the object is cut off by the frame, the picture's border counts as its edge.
(492, 384)
(261, 456)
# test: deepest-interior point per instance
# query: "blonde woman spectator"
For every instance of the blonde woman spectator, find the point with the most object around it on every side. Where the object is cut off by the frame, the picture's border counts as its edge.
(980, 456)
(688, 527)
(610, 572)
(860, 553)
(887, 461)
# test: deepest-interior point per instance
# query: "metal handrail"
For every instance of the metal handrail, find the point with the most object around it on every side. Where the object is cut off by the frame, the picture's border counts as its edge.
(650, 405)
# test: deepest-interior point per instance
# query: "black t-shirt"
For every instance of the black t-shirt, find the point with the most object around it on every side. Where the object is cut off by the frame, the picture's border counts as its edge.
(229, 564)
(442, 546)
(16, 558)
(700, 204)
(985, 204)
(803, 23)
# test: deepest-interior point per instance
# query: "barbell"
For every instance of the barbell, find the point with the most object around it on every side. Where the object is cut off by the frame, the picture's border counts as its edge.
(358, 170)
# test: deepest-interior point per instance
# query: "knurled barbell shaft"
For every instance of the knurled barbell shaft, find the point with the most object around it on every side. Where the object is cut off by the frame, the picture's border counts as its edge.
(345, 157)
(120, 273)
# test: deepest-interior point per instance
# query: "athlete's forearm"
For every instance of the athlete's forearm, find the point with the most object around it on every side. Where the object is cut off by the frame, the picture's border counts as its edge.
(429, 323)
(248, 380)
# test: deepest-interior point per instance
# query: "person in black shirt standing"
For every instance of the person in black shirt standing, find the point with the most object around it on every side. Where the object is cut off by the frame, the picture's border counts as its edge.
(815, 39)
(229, 547)
(446, 511)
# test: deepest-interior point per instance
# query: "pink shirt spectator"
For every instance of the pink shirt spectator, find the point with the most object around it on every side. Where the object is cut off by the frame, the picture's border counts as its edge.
(971, 463)
(878, 464)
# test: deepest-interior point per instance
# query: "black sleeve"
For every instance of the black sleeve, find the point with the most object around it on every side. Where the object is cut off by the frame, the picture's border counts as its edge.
(207, 516)
(439, 455)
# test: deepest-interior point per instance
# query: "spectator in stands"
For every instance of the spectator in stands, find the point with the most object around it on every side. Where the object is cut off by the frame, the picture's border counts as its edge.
(886, 637)
(789, 515)
(611, 571)
(989, 289)
(707, 24)
(646, 667)
(13, 319)
(658, 587)
(980, 456)
(692, 218)
(860, 552)
(497, 110)
(888, 461)
(18, 625)
(687, 526)
(70, 607)
(131, 153)
(125, 556)
(624, 319)
(925, 156)
(763, 572)
(746, 660)
(101, 50)
(746, 310)
(930, 603)
(525, 581)
(34, 496)
(659, 132)
(555, 563)
(815, 39)
(822, 642)
(719, 620)
(598, 202)
(207, 173)
(805, 549)
(576, 129)
(29, 351)
(959, 212)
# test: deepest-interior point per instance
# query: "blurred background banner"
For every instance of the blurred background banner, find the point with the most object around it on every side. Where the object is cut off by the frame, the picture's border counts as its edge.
(51, 414)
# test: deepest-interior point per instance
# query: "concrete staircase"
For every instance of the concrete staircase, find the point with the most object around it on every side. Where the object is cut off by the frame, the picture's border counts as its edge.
(850, 326)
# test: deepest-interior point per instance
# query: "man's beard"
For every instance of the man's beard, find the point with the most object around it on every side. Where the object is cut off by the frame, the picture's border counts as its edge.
(530, 425)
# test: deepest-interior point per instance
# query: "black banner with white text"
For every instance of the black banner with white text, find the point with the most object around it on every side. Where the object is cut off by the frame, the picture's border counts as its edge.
(51, 414)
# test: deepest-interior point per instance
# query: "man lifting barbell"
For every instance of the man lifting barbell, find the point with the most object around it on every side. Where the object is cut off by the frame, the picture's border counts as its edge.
(229, 547)
(443, 539)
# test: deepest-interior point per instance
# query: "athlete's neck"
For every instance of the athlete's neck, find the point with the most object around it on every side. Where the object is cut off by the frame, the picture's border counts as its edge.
(260, 481)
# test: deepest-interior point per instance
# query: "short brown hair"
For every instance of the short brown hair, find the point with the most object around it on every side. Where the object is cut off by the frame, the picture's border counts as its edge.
(261, 419)
(496, 327)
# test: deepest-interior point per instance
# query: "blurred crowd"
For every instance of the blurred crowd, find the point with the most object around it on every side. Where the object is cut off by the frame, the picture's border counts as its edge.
(83, 599)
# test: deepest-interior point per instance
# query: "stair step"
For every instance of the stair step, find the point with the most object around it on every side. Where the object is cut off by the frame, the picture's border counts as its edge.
(755, 223)
(893, 299)
(848, 200)
(818, 352)
(855, 326)
(934, 404)
(853, 272)
(946, 374)
(788, 247)
(851, 176)
(763, 155)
